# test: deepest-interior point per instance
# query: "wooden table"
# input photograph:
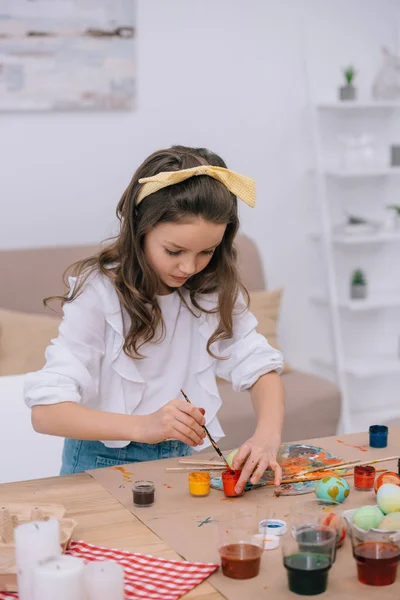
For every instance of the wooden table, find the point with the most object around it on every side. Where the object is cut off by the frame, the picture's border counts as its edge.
(108, 518)
(102, 520)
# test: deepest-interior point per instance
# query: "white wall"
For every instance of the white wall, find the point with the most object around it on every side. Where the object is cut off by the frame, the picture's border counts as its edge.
(225, 74)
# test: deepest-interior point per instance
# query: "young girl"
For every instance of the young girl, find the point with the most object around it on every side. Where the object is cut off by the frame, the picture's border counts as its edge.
(158, 310)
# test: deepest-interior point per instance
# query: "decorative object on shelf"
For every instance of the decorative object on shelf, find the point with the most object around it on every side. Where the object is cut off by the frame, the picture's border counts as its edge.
(396, 215)
(358, 289)
(395, 155)
(357, 152)
(386, 85)
(357, 225)
(348, 91)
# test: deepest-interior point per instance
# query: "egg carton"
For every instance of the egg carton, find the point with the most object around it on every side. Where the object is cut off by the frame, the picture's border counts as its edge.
(12, 515)
(380, 534)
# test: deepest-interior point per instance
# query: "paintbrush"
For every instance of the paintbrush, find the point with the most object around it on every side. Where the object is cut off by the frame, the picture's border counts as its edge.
(214, 444)
(348, 464)
(315, 478)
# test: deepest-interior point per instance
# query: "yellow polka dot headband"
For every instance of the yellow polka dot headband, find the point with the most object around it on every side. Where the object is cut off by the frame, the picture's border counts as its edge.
(243, 187)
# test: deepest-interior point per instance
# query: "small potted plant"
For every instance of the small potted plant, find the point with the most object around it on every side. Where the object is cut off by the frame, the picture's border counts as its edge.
(348, 91)
(396, 215)
(358, 285)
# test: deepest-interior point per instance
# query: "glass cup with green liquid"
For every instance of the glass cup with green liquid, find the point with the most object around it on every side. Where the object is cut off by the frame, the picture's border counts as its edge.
(308, 554)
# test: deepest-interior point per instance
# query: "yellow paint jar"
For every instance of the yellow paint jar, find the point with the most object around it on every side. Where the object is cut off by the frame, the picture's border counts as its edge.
(199, 483)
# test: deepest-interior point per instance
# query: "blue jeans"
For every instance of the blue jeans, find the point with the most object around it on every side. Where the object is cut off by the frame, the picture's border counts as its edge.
(81, 455)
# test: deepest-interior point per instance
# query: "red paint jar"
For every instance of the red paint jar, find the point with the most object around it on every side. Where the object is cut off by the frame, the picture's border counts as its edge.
(229, 481)
(364, 478)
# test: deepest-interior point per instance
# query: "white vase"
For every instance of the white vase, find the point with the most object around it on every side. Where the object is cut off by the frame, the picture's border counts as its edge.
(358, 291)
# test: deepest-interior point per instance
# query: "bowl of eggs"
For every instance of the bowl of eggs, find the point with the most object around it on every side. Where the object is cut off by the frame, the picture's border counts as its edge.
(382, 518)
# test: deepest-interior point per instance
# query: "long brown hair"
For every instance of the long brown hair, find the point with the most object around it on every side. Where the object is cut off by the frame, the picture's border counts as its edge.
(124, 262)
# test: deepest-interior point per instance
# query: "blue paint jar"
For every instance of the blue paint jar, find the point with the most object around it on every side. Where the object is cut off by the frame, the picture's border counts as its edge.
(272, 527)
(378, 436)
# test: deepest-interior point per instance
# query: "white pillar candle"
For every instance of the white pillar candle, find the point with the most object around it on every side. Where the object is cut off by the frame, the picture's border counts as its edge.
(59, 578)
(34, 541)
(104, 580)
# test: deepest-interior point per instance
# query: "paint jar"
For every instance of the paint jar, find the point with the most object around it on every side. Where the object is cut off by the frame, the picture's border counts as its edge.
(272, 527)
(199, 483)
(229, 481)
(143, 493)
(364, 478)
(378, 436)
(269, 541)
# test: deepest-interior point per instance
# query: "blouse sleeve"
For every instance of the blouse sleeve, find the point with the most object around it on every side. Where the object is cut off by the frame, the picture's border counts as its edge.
(73, 359)
(248, 353)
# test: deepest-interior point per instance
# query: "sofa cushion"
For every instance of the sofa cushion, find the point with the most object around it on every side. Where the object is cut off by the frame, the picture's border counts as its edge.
(265, 306)
(24, 338)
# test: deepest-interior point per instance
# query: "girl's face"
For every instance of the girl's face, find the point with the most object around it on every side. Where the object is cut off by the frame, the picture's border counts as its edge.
(177, 251)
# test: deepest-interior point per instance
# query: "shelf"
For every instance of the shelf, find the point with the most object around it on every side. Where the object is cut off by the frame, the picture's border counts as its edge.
(362, 173)
(358, 239)
(367, 367)
(371, 303)
(356, 105)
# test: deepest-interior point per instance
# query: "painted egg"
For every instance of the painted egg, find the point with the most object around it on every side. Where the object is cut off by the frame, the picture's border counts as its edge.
(388, 498)
(337, 522)
(391, 522)
(332, 488)
(229, 457)
(388, 477)
(368, 517)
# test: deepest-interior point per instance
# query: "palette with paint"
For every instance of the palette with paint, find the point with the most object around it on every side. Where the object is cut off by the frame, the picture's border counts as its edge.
(293, 459)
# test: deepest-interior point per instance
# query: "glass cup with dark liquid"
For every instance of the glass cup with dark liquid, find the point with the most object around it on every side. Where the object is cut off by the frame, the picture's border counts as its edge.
(308, 554)
(320, 512)
(377, 555)
(240, 546)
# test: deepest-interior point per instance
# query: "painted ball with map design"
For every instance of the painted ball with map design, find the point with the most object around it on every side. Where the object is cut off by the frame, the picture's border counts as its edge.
(332, 488)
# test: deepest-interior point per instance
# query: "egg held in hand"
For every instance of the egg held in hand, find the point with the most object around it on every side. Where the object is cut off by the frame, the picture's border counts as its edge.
(229, 457)
(332, 488)
(388, 498)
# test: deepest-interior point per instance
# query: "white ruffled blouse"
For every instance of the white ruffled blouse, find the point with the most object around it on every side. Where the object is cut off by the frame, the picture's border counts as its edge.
(86, 363)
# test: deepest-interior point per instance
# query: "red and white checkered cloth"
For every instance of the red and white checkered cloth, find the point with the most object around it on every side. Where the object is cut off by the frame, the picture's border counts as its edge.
(146, 577)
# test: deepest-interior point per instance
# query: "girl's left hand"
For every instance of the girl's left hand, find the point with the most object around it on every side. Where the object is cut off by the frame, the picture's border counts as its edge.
(254, 457)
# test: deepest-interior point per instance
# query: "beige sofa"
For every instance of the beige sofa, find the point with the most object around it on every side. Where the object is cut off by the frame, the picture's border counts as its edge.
(312, 403)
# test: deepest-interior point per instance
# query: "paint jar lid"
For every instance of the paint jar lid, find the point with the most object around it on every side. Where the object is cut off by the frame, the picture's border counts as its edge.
(269, 541)
(272, 527)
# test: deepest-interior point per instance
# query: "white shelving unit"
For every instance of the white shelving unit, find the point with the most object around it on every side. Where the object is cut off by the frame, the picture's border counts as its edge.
(336, 248)
(359, 105)
(372, 173)
(371, 303)
(380, 237)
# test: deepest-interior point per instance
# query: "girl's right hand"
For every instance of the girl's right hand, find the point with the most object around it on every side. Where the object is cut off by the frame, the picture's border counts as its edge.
(177, 420)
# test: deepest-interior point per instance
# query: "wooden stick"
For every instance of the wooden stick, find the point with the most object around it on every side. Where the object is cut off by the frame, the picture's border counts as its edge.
(350, 463)
(184, 461)
(222, 468)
